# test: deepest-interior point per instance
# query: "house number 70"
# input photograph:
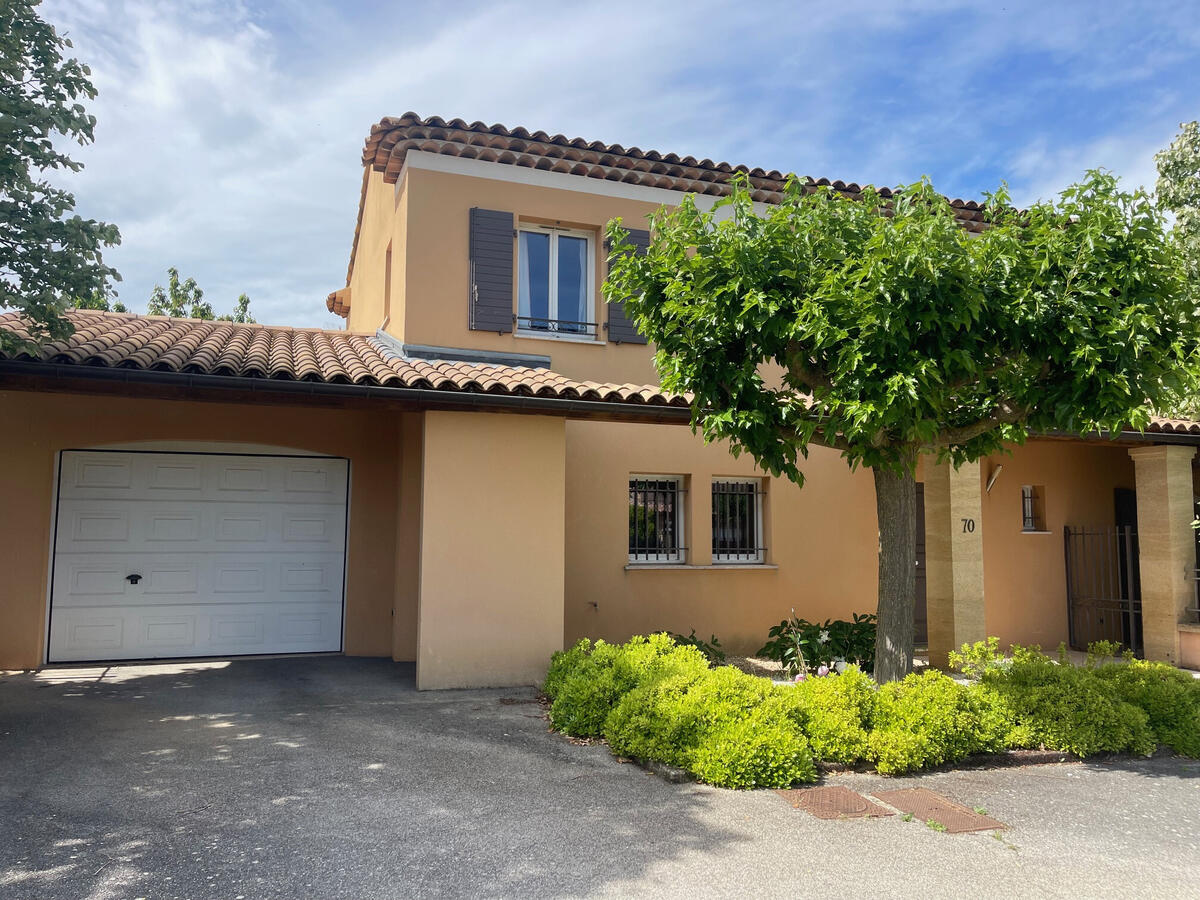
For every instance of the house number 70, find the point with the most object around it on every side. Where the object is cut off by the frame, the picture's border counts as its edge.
(968, 526)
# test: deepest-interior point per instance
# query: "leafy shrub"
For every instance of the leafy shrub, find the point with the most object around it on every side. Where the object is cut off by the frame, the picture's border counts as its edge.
(799, 645)
(710, 648)
(589, 691)
(754, 752)
(1104, 651)
(929, 719)
(665, 719)
(834, 713)
(1066, 708)
(979, 657)
(562, 664)
(1169, 698)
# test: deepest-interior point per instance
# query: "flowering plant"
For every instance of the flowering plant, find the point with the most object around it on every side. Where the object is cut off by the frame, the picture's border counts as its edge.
(807, 648)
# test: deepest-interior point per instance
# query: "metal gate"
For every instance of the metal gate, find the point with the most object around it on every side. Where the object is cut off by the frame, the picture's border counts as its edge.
(1104, 590)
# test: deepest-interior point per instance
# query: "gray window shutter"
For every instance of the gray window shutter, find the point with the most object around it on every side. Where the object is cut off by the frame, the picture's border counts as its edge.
(491, 271)
(620, 329)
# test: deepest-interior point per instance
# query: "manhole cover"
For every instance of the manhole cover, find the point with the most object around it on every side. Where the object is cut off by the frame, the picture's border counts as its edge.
(927, 806)
(833, 803)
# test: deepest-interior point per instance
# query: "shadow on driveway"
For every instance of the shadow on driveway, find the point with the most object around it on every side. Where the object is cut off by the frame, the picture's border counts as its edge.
(321, 777)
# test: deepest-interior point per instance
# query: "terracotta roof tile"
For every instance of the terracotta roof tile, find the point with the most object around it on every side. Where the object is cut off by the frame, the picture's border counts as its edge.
(199, 347)
(393, 137)
(1163, 425)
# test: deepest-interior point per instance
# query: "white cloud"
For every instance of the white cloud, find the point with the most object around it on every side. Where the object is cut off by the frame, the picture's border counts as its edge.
(1040, 171)
(230, 133)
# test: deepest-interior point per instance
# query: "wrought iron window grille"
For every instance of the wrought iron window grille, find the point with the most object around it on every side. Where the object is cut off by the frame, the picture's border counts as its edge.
(656, 520)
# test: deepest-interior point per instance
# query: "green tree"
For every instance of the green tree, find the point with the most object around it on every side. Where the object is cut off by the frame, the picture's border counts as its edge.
(100, 302)
(183, 298)
(1178, 190)
(241, 312)
(883, 329)
(47, 257)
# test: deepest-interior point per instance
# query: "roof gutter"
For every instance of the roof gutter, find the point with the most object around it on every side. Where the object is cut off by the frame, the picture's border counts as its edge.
(446, 399)
(1141, 437)
(466, 400)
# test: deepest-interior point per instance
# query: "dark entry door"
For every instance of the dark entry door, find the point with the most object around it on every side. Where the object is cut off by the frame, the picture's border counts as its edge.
(920, 612)
(1104, 600)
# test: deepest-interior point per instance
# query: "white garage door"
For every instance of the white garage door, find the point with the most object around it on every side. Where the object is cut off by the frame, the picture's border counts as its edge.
(188, 554)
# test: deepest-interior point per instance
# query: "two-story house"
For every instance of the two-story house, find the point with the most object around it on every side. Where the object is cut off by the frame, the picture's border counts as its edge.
(480, 469)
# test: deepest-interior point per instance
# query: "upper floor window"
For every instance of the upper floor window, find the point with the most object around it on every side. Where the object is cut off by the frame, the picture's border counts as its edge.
(737, 523)
(555, 282)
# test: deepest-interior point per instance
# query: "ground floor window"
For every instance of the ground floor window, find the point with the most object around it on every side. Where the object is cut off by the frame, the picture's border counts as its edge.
(1033, 515)
(737, 520)
(656, 519)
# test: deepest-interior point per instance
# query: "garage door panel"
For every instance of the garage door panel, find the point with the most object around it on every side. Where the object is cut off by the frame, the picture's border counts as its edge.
(96, 579)
(96, 475)
(208, 630)
(202, 526)
(236, 554)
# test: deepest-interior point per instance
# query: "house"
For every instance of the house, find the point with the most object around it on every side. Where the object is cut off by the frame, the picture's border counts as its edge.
(480, 468)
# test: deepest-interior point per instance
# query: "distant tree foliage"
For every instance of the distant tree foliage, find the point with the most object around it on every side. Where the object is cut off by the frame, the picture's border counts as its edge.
(98, 301)
(1178, 189)
(183, 299)
(47, 257)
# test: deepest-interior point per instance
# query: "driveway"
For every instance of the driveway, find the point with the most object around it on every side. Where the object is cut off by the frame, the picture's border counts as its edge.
(333, 777)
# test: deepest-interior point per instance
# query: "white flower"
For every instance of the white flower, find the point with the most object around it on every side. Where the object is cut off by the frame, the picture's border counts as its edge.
(839, 665)
(823, 638)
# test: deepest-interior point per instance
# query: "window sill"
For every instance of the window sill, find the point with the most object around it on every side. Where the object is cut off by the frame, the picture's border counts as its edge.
(568, 338)
(762, 567)
(1028, 531)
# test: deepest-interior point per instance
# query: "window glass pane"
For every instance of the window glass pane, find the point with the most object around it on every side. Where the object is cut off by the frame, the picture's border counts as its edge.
(572, 282)
(654, 520)
(533, 266)
(735, 520)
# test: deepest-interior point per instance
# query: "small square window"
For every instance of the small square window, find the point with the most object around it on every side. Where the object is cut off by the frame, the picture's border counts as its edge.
(1033, 510)
(555, 283)
(656, 519)
(737, 520)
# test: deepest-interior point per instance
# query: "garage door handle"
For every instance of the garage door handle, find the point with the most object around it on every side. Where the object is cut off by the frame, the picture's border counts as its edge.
(133, 579)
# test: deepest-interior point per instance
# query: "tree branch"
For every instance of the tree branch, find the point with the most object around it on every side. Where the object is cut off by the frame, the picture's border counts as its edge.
(804, 371)
(1004, 414)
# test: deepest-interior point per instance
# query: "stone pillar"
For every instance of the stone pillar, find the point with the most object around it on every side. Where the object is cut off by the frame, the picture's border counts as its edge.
(953, 558)
(1166, 544)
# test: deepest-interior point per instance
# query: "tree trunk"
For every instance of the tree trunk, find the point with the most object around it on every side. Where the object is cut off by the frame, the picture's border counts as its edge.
(896, 507)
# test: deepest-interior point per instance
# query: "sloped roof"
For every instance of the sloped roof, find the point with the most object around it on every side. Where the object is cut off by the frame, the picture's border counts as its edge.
(392, 137)
(1162, 425)
(269, 352)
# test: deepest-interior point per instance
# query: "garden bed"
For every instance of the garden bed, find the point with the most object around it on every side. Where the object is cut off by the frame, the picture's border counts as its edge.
(658, 702)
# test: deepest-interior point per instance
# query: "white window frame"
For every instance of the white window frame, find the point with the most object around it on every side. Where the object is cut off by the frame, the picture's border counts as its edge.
(590, 280)
(724, 559)
(679, 556)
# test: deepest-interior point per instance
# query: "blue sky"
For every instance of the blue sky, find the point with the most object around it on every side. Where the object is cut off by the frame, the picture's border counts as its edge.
(230, 133)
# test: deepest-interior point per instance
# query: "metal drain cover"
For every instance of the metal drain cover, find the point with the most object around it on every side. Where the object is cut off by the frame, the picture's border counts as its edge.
(927, 806)
(833, 803)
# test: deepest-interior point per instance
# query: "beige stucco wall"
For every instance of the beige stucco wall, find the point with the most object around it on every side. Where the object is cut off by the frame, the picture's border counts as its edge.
(492, 564)
(384, 224)
(1025, 574)
(821, 542)
(42, 424)
(436, 274)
